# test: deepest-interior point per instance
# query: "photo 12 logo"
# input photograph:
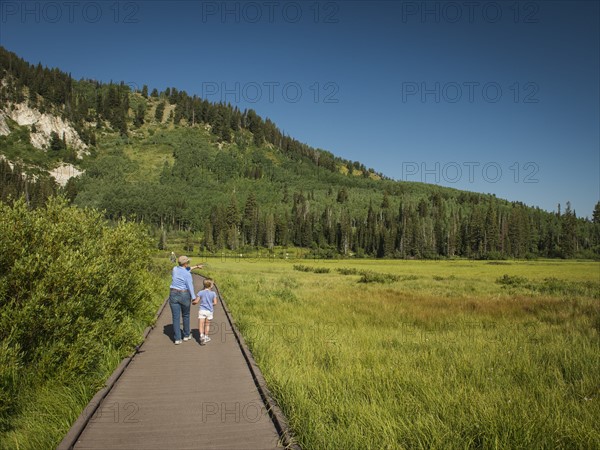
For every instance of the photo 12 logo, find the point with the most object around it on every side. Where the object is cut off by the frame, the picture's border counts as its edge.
(471, 171)
(232, 412)
(115, 412)
(270, 12)
(469, 92)
(270, 91)
(69, 12)
(470, 12)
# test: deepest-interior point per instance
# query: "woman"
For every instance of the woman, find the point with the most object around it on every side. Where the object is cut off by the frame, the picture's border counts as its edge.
(180, 297)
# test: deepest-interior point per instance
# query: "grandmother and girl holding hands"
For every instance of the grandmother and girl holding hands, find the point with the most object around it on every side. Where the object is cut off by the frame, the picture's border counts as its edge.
(180, 301)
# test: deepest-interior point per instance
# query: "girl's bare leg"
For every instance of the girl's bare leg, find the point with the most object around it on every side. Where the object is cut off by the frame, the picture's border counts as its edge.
(201, 326)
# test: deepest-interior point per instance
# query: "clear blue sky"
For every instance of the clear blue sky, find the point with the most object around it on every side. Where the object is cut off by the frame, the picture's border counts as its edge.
(495, 97)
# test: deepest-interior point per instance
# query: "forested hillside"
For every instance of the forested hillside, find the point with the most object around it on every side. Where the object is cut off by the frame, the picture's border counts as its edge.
(232, 180)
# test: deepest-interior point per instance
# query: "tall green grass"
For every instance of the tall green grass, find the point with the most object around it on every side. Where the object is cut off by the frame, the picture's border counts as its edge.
(447, 356)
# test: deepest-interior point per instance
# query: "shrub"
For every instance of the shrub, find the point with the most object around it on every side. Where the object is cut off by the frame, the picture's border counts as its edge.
(302, 268)
(72, 286)
(511, 280)
(553, 286)
(367, 276)
(375, 277)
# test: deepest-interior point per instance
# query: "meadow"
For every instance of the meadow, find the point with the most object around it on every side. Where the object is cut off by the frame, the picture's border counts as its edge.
(424, 354)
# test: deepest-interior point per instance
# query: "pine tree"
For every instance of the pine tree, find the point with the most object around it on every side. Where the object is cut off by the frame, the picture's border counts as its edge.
(596, 213)
(162, 241)
(569, 232)
(250, 220)
(209, 243)
(259, 138)
(371, 242)
(159, 113)
(286, 195)
(491, 230)
(270, 231)
(345, 232)
(139, 115)
(232, 221)
(189, 243)
(70, 190)
(56, 143)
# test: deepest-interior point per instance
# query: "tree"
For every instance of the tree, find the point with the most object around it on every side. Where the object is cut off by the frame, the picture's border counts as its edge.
(138, 121)
(569, 232)
(189, 243)
(162, 241)
(342, 196)
(385, 203)
(345, 232)
(286, 195)
(250, 220)
(270, 231)
(232, 221)
(209, 243)
(596, 213)
(282, 230)
(159, 113)
(491, 231)
(56, 143)
(70, 189)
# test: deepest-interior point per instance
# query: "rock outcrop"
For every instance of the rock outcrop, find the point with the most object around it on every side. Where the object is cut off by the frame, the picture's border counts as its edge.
(63, 172)
(44, 123)
(4, 129)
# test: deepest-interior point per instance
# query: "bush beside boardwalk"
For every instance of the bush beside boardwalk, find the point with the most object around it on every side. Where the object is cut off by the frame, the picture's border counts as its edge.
(75, 294)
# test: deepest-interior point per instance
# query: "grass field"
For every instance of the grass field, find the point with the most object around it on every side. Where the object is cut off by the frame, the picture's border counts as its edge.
(425, 354)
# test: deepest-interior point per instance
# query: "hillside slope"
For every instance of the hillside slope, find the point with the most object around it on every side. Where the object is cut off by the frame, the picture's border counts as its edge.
(233, 180)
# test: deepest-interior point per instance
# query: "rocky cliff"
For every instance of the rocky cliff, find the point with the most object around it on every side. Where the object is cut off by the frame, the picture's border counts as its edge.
(44, 124)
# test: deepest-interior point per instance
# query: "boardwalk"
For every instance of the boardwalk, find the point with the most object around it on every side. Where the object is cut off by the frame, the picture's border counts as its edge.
(184, 396)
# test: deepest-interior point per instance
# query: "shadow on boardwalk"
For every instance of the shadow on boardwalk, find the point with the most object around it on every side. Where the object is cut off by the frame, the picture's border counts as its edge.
(185, 396)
